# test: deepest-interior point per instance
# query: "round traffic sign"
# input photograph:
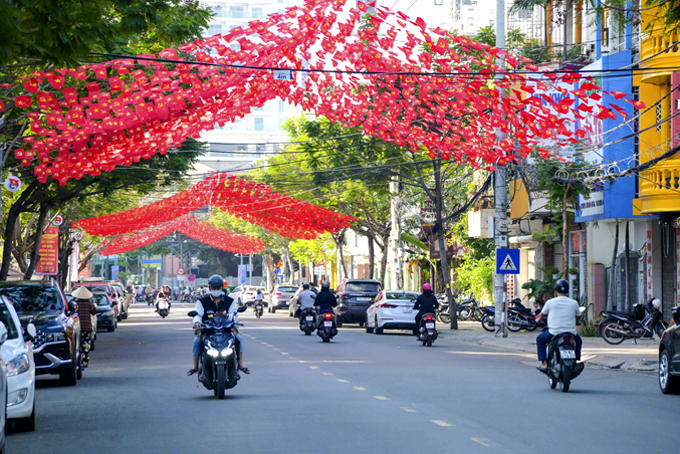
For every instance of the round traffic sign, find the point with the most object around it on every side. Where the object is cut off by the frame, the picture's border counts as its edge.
(58, 220)
(191, 278)
(181, 271)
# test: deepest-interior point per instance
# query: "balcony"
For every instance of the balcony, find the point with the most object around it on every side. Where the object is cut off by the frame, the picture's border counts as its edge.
(660, 187)
(659, 41)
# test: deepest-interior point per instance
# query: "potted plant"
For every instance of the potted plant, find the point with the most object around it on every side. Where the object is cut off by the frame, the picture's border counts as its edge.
(552, 271)
(573, 272)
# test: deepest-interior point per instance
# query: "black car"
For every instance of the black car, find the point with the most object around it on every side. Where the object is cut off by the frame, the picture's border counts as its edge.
(106, 313)
(354, 296)
(56, 346)
(669, 357)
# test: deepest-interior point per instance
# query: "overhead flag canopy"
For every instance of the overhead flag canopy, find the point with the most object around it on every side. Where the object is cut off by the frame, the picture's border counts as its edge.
(424, 89)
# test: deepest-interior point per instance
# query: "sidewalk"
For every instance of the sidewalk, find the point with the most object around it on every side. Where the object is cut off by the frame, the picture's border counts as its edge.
(627, 356)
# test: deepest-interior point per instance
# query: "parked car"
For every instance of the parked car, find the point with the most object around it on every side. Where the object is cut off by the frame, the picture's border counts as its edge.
(56, 344)
(124, 302)
(115, 294)
(354, 296)
(392, 309)
(107, 312)
(94, 319)
(17, 354)
(281, 296)
(3, 392)
(669, 357)
(237, 295)
(293, 303)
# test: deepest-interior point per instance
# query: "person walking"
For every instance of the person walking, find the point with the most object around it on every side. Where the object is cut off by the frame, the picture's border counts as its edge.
(82, 297)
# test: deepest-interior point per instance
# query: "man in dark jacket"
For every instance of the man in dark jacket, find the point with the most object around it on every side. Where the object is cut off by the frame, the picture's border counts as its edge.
(426, 303)
(325, 300)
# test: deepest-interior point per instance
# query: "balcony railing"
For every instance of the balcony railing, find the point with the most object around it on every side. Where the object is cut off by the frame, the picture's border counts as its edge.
(656, 42)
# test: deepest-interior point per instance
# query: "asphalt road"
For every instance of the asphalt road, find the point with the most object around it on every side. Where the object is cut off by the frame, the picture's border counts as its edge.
(359, 394)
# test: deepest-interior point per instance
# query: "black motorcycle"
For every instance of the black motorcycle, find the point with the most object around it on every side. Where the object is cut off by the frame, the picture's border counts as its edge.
(645, 321)
(308, 321)
(488, 318)
(257, 309)
(218, 366)
(521, 317)
(468, 309)
(427, 331)
(562, 365)
(327, 327)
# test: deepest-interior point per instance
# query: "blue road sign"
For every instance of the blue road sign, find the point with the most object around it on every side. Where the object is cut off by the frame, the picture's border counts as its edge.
(507, 261)
(279, 272)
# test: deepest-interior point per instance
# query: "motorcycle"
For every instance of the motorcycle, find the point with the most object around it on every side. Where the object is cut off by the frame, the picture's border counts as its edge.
(257, 309)
(218, 363)
(327, 327)
(308, 321)
(443, 313)
(645, 321)
(488, 318)
(520, 317)
(562, 365)
(150, 300)
(163, 307)
(427, 331)
(139, 298)
(469, 309)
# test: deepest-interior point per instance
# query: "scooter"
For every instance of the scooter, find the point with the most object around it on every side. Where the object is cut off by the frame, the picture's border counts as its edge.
(427, 332)
(488, 318)
(562, 365)
(645, 321)
(308, 321)
(163, 307)
(327, 327)
(257, 309)
(218, 363)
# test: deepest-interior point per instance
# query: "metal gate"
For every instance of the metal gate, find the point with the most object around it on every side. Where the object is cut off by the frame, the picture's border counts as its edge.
(668, 270)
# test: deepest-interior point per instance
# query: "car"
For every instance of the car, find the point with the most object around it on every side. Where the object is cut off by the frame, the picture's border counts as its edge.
(237, 295)
(280, 297)
(391, 309)
(293, 303)
(3, 392)
(115, 294)
(56, 344)
(17, 353)
(124, 301)
(354, 296)
(107, 312)
(669, 356)
(94, 318)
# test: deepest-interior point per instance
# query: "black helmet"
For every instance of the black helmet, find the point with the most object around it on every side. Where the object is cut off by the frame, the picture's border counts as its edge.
(326, 284)
(216, 281)
(562, 286)
(305, 286)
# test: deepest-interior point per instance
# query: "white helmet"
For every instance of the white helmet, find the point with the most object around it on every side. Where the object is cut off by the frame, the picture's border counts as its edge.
(656, 302)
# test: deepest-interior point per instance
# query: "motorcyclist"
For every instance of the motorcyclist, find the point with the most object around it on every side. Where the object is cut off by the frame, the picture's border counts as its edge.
(425, 304)
(312, 287)
(258, 298)
(216, 303)
(563, 314)
(306, 298)
(186, 293)
(163, 296)
(325, 300)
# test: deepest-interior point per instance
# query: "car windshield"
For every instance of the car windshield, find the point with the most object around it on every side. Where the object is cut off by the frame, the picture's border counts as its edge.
(97, 288)
(33, 298)
(100, 299)
(362, 287)
(288, 289)
(400, 296)
(6, 318)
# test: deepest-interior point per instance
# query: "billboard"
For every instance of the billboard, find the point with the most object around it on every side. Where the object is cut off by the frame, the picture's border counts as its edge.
(48, 251)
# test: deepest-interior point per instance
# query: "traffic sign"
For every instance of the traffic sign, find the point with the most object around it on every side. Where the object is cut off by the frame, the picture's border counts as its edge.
(181, 271)
(279, 272)
(58, 220)
(507, 261)
(191, 277)
(280, 264)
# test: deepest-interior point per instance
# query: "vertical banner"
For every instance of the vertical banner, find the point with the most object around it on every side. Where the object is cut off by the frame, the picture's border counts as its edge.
(49, 253)
(74, 262)
(242, 275)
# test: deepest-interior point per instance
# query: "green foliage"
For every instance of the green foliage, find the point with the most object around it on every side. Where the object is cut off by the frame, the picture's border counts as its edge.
(588, 329)
(478, 248)
(319, 250)
(547, 235)
(540, 290)
(476, 276)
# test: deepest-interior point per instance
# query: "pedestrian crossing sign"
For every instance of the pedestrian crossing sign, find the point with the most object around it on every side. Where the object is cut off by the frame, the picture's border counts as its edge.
(507, 261)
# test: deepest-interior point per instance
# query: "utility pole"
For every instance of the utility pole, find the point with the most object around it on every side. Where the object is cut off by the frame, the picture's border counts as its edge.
(250, 268)
(395, 234)
(500, 196)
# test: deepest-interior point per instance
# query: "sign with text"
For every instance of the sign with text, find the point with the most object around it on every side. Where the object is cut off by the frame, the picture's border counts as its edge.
(49, 253)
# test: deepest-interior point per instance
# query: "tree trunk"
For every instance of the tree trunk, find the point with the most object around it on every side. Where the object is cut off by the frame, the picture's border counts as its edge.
(565, 234)
(439, 208)
(626, 268)
(289, 264)
(35, 250)
(340, 243)
(271, 271)
(383, 264)
(371, 257)
(10, 227)
(612, 272)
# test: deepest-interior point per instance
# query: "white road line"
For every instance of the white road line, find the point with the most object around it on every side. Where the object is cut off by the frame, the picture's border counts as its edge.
(440, 423)
(482, 441)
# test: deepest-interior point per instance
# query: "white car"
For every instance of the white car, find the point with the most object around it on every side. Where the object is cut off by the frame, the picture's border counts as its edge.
(237, 295)
(391, 309)
(17, 353)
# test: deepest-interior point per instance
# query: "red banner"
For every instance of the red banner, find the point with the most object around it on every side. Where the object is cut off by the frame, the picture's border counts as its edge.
(49, 252)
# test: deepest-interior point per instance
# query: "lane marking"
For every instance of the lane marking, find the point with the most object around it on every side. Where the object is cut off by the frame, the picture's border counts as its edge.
(291, 357)
(482, 441)
(263, 343)
(285, 353)
(342, 381)
(380, 397)
(359, 388)
(303, 362)
(326, 373)
(527, 355)
(441, 423)
(409, 410)
(313, 367)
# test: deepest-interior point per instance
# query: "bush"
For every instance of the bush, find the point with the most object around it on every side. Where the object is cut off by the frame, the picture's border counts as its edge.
(588, 329)
(476, 276)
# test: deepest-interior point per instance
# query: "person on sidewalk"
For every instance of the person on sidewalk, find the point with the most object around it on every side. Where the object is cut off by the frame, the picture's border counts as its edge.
(563, 314)
(425, 304)
(86, 309)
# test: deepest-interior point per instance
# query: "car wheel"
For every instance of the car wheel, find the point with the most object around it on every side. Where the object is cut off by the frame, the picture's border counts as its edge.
(27, 424)
(338, 323)
(70, 376)
(125, 315)
(111, 329)
(667, 382)
(273, 310)
(369, 330)
(119, 318)
(361, 324)
(377, 330)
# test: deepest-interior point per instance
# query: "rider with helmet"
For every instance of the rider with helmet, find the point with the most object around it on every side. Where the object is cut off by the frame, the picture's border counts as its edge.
(426, 303)
(215, 303)
(325, 300)
(307, 298)
(562, 313)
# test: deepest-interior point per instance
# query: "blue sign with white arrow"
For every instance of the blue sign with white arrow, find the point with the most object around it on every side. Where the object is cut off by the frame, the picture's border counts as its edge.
(507, 261)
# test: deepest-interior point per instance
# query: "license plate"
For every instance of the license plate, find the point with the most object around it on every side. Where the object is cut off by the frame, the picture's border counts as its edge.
(408, 310)
(429, 325)
(328, 324)
(567, 354)
(309, 318)
(363, 299)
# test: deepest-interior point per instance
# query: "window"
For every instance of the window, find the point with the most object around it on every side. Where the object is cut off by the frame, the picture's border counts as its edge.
(33, 298)
(214, 29)
(259, 124)
(362, 287)
(6, 318)
(282, 106)
(658, 117)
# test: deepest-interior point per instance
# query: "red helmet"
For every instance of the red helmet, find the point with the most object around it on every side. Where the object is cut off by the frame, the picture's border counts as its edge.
(427, 287)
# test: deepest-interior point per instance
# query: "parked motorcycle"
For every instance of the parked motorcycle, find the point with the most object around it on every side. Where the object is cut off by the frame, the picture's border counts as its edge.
(327, 327)
(163, 307)
(645, 321)
(218, 363)
(427, 331)
(308, 321)
(257, 308)
(468, 309)
(488, 318)
(521, 317)
(443, 313)
(562, 365)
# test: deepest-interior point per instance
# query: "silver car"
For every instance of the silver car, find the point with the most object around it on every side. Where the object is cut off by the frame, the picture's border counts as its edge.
(279, 298)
